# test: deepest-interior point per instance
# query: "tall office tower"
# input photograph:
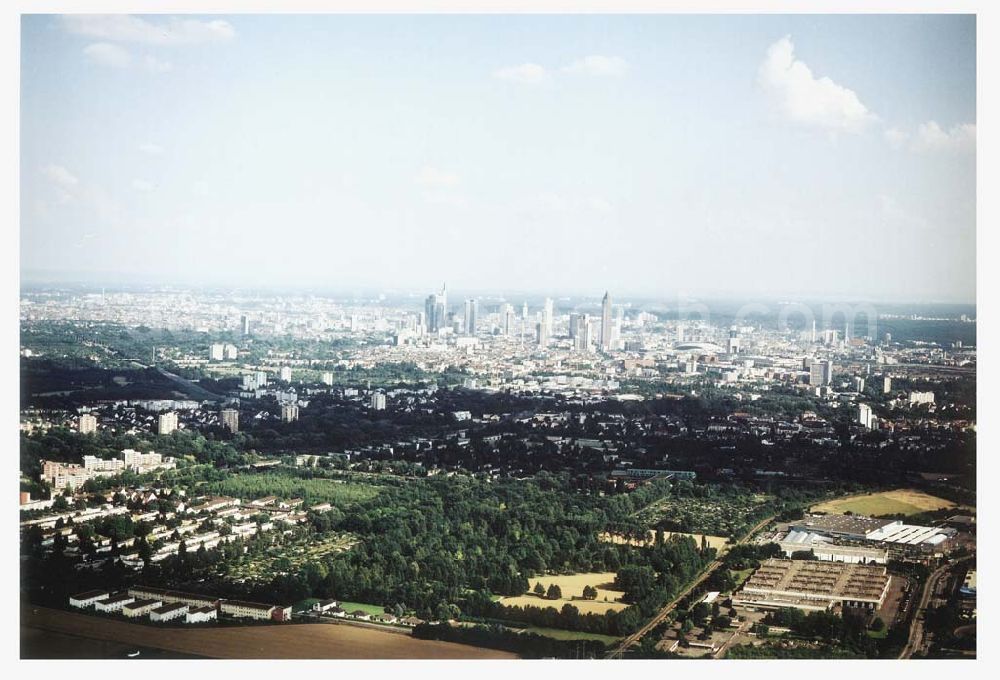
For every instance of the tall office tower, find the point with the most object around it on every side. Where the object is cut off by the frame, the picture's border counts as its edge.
(289, 412)
(507, 318)
(429, 314)
(546, 328)
(821, 373)
(680, 332)
(606, 322)
(88, 424)
(812, 338)
(524, 310)
(886, 385)
(734, 341)
(245, 325)
(167, 423)
(574, 320)
(582, 334)
(471, 312)
(230, 419)
(847, 332)
(285, 374)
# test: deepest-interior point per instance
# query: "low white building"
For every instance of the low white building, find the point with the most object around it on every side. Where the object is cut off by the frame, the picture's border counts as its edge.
(87, 599)
(114, 603)
(201, 614)
(169, 612)
(139, 608)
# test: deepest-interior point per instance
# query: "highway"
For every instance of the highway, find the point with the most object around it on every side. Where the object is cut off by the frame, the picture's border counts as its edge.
(618, 651)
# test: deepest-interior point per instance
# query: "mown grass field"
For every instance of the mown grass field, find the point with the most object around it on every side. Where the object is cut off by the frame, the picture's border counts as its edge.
(897, 502)
(572, 587)
(351, 607)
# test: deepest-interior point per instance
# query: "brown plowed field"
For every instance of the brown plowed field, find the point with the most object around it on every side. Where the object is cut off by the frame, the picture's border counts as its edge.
(285, 641)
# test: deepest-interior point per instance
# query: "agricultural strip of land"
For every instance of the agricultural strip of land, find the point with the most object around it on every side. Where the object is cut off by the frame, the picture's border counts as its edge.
(279, 641)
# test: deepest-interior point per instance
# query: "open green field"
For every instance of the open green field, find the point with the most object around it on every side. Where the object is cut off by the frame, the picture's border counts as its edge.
(897, 502)
(560, 634)
(571, 586)
(372, 609)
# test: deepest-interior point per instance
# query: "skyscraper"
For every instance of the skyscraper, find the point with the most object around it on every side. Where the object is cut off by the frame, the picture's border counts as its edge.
(545, 327)
(606, 322)
(245, 325)
(436, 310)
(574, 321)
(471, 312)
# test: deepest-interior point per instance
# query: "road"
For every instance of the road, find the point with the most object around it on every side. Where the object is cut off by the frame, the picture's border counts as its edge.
(915, 642)
(632, 639)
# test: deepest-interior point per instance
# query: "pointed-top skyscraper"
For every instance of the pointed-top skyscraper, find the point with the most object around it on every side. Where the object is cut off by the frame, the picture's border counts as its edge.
(606, 322)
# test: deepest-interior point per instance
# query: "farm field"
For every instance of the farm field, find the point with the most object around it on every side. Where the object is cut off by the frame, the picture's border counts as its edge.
(899, 501)
(717, 542)
(284, 641)
(572, 587)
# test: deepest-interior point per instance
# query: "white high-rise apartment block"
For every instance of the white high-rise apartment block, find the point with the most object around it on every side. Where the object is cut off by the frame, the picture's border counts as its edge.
(230, 419)
(88, 424)
(216, 352)
(289, 413)
(285, 374)
(921, 398)
(858, 383)
(230, 353)
(327, 378)
(865, 416)
(378, 401)
(886, 385)
(167, 423)
(821, 373)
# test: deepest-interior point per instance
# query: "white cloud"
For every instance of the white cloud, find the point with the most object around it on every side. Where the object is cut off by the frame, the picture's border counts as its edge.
(154, 65)
(897, 138)
(107, 54)
(529, 74)
(598, 65)
(932, 137)
(436, 178)
(142, 185)
(600, 205)
(806, 99)
(127, 28)
(60, 176)
(151, 149)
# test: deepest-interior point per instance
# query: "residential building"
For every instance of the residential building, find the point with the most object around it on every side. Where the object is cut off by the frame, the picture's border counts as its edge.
(87, 599)
(230, 419)
(169, 612)
(289, 412)
(88, 424)
(167, 423)
(378, 401)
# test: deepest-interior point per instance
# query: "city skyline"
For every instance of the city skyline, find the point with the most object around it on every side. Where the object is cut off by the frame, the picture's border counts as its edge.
(661, 155)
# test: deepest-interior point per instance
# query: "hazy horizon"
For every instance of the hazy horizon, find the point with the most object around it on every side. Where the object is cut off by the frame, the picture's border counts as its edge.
(828, 156)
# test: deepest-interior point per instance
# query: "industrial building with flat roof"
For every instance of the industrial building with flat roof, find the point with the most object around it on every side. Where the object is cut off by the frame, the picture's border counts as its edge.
(814, 586)
(858, 528)
(824, 548)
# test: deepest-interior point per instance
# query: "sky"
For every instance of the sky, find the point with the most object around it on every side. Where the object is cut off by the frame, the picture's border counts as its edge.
(656, 155)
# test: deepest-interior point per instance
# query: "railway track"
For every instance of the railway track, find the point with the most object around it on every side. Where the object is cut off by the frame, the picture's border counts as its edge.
(632, 639)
